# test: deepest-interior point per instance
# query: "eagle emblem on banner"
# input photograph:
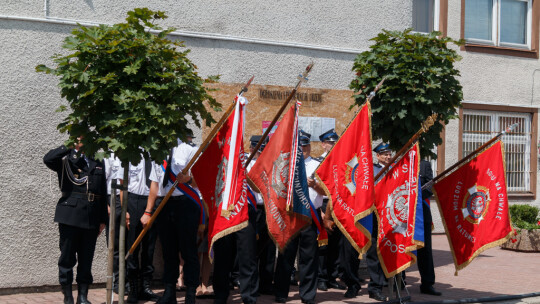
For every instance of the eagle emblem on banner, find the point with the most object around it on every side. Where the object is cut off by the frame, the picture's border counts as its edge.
(280, 174)
(475, 204)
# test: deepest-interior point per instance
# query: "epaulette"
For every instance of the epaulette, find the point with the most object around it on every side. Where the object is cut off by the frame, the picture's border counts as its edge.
(319, 159)
(192, 144)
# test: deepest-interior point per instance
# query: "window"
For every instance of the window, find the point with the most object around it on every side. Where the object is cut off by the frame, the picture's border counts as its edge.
(480, 126)
(425, 15)
(501, 23)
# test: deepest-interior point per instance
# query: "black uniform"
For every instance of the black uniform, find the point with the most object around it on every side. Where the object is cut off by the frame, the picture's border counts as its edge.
(243, 244)
(376, 274)
(425, 255)
(79, 212)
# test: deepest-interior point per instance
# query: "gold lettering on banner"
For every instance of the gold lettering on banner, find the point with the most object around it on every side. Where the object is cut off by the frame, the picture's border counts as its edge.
(282, 95)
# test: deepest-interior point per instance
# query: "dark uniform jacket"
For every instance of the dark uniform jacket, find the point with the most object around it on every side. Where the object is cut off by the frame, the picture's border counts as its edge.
(85, 205)
(426, 175)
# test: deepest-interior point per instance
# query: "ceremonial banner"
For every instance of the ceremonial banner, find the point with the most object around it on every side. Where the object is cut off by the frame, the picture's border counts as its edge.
(396, 198)
(274, 177)
(226, 195)
(474, 205)
(347, 177)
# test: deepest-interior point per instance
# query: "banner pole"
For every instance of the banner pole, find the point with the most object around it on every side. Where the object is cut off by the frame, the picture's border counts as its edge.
(201, 149)
(425, 126)
(301, 78)
(471, 155)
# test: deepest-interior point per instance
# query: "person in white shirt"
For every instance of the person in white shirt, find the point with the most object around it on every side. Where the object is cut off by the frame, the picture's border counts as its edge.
(140, 268)
(305, 243)
(177, 224)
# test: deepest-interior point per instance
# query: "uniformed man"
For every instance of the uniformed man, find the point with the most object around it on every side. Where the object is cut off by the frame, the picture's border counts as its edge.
(140, 268)
(329, 255)
(425, 254)
(305, 243)
(266, 249)
(241, 247)
(376, 274)
(81, 214)
(177, 224)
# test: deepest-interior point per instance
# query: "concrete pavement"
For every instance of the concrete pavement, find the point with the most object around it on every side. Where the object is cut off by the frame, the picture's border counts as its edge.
(493, 274)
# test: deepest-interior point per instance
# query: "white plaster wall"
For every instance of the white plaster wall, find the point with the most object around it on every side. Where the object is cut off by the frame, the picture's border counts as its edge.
(29, 238)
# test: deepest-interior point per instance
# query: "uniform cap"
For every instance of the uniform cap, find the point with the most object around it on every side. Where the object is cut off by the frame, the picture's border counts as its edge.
(254, 139)
(381, 148)
(305, 138)
(329, 135)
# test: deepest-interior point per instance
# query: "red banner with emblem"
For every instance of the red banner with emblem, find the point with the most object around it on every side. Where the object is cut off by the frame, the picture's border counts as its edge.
(347, 176)
(396, 196)
(273, 176)
(473, 203)
(226, 195)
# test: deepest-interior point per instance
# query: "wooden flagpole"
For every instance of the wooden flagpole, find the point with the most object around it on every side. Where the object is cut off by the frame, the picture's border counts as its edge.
(425, 126)
(201, 149)
(301, 78)
(471, 155)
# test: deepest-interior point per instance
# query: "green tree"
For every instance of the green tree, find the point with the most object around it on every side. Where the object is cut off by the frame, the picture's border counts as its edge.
(129, 91)
(420, 80)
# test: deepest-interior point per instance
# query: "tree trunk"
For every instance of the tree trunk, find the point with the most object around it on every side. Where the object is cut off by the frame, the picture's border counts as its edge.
(110, 258)
(122, 237)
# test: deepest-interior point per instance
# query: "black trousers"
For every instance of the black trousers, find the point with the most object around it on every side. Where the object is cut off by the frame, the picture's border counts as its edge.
(140, 267)
(329, 257)
(308, 258)
(177, 226)
(425, 255)
(350, 263)
(77, 246)
(266, 252)
(241, 244)
(116, 256)
(376, 274)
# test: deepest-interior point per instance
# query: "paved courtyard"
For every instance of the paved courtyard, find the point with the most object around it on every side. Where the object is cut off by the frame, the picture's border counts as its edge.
(494, 273)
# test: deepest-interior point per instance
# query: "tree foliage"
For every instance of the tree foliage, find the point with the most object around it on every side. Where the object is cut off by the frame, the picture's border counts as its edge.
(420, 80)
(129, 91)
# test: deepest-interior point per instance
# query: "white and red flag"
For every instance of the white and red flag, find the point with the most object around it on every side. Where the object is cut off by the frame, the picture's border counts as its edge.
(221, 177)
(396, 200)
(347, 176)
(279, 175)
(473, 203)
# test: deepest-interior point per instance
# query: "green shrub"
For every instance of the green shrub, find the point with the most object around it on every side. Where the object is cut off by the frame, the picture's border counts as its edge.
(525, 216)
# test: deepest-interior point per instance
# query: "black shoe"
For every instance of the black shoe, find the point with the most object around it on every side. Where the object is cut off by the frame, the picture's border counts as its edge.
(68, 294)
(280, 300)
(430, 291)
(308, 301)
(190, 295)
(145, 293)
(352, 291)
(236, 283)
(377, 295)
(133, 295)
(336, 285)
(82, 296)
(169, 295)
(322, 286)
(266, 291)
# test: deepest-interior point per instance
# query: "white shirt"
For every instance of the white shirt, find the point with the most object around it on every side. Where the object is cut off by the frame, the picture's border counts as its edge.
(181, 155)
(315, 197)
(137, 179)
(258, 196)
(112, 171)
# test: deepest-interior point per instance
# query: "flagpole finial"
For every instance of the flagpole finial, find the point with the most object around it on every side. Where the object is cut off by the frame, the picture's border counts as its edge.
(377, 87)
(303, 77)
(510, 128)
(429, 122)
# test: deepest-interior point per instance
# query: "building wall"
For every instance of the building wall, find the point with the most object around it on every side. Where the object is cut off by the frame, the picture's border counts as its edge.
(29, 246)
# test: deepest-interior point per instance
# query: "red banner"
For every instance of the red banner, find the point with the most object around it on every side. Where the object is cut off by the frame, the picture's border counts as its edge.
(347, 176)
(396, 197)
(474, 205)
(273, 175)
(225, 196)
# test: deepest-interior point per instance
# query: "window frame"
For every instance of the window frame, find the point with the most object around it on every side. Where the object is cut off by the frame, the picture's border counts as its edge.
(494, 46)
(534, 141)
(440, 17)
